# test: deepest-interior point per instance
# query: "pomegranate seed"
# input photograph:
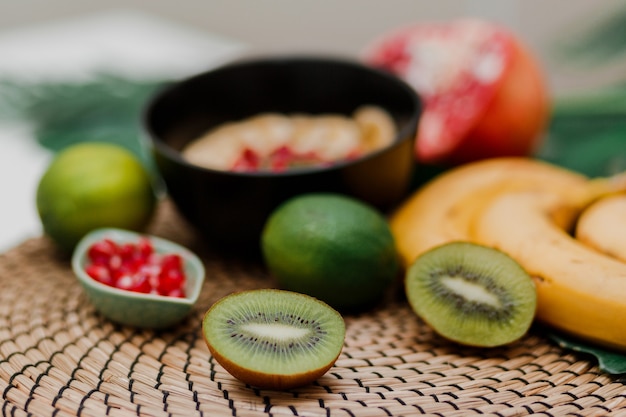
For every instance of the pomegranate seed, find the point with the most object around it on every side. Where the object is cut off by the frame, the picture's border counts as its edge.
(142, 284)
(100, 273)
(170, 280)
(153, 259)
(281, 158)
(132, 264)
(103, 249)
(115, 262)
(248, 161)
(144, 247)
(124, 282)
(172, 261)
(150, 270)
(120, 272)
(127, 251)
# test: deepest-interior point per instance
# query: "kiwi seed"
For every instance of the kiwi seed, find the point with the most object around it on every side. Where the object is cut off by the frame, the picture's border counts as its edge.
(274, 339)
(472, 294)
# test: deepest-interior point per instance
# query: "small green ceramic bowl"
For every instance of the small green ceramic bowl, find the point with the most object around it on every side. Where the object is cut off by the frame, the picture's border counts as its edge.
(132, 308)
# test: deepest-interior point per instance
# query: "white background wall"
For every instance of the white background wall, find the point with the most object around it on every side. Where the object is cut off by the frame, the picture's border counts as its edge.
(345, 26)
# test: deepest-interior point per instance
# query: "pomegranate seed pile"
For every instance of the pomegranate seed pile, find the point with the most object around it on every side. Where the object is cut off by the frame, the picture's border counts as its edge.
(136, 266)
(279, 160)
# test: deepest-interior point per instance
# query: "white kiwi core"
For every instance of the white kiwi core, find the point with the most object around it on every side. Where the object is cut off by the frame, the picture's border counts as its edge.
(471, 291)
(275, 331)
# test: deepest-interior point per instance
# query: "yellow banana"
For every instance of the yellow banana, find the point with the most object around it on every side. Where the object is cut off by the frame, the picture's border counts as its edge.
(579, 290)
(602, 226)
(377, 126)
(442, 210)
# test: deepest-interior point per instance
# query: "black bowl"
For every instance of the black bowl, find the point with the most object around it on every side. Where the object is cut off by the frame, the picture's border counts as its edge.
(230, 208)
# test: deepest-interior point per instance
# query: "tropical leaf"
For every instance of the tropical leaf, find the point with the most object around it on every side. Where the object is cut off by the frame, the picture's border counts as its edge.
(595, 42)
(609, 361)
(103, 108)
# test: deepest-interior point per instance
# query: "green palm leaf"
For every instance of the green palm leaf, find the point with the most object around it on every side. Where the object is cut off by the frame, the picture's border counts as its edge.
(596, 42)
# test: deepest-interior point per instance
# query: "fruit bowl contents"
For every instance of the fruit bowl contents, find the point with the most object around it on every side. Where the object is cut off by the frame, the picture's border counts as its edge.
(278, 142)
(138, 280)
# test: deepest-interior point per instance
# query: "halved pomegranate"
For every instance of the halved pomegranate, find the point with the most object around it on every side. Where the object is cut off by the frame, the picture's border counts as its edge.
(484, 95)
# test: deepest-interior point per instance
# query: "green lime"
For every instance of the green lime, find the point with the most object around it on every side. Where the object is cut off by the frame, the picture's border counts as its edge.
(332, 247)
(91, 185)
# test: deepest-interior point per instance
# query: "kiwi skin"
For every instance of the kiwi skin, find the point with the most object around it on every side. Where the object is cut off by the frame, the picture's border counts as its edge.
(268, 379)
(472, 294)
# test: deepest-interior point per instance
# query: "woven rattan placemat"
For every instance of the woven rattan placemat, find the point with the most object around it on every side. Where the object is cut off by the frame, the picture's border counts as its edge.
(58, 357)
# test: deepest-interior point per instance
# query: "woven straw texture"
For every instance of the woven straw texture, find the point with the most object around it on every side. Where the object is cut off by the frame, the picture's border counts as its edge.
(58, 357)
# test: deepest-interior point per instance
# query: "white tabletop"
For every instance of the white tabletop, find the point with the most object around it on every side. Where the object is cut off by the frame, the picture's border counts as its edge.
(123, 42)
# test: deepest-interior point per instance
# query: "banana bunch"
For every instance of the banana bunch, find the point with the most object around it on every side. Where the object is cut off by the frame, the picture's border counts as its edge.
(557, 224)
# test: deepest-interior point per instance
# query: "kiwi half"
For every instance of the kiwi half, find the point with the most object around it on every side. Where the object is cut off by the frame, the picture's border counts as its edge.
(274, 339)
(472, 294)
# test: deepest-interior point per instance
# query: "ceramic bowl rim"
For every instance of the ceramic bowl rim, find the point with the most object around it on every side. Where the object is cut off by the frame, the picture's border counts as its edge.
(159, 243)
(402, 134)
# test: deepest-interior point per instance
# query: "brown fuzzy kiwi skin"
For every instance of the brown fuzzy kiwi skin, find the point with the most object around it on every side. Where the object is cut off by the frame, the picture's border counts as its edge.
(279, 382)
(268, 381)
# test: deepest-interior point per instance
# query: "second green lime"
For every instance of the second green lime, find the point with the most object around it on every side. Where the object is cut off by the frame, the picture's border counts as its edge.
(332, 247)
(91, 185)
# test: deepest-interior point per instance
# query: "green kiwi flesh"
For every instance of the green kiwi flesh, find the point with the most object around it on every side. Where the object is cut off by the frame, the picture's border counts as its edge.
(472, 294)
(274, 339)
